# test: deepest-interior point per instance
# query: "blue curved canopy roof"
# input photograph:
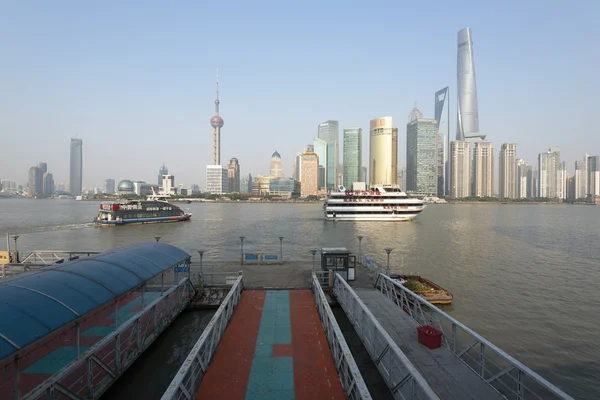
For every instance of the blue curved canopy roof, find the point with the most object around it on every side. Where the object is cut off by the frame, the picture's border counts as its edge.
(33, 305)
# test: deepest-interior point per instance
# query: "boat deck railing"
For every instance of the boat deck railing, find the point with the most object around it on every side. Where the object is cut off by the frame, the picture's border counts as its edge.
(352, 381)
(500, 370)
(187, 380)
(400, 375)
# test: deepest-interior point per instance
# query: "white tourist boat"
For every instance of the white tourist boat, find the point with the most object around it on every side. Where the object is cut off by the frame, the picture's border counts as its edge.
(379, 203)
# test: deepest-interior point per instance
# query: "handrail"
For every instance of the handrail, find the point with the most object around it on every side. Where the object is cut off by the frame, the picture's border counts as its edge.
(350, 376)
(400, 375)
(190, 375)
(497, 373)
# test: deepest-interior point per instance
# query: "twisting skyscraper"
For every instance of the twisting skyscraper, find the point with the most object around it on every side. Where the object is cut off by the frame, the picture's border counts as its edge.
(217, 123)
(468, 110)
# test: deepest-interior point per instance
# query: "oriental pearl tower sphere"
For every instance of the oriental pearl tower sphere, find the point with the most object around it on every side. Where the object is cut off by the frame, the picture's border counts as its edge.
(217, 123)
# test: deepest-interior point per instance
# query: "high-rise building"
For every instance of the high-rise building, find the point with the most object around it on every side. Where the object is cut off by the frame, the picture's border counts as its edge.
(383, 152)
(508, 171)
(467, 106)
(532, 182)
(581, 180)
(352, 156)
(310, 169)
(364, 175)
(319, 146)
(233, 175)
(276, 170)
(43, 166)
(250, 183)
(521, 178)
(593, 175)
(561, 192)
(422, 156)
(48, 184)
(36, 182)
(442, 120)
(329, 132)
(217, 123)
(484, 169)
(570, 187)
(297, 169)
(168, 184)
(401, 179)
(162, 171)
(548, 178)
(460, 165)
(109, 185)
(76, 168)
(217, 181)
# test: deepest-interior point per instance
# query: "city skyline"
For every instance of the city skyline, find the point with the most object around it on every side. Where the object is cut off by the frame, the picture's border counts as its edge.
(115, 105)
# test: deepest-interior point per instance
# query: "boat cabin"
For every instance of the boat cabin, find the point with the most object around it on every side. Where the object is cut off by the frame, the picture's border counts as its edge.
(340, 260)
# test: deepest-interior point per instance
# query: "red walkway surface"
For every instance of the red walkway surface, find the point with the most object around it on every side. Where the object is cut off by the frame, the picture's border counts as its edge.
(314, 373)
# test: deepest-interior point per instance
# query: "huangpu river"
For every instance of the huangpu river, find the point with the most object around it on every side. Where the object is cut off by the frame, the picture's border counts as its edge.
(526, 277)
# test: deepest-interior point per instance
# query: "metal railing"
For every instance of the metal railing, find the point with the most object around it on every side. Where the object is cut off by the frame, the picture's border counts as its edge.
(190, 375)
(508, 376)
(97, 369)
(323, 277)
(400, 375)
(350, 376)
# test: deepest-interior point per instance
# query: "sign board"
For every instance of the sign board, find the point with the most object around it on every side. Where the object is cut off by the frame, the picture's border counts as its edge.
(253, 258)
(271, 258)
(181, 268)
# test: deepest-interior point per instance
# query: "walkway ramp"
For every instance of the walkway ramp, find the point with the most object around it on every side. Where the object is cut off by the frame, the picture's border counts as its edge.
(447, 375)
(273, 348)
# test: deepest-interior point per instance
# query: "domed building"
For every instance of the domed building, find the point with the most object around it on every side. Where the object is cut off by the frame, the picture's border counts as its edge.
(276, 170)
(126, 188)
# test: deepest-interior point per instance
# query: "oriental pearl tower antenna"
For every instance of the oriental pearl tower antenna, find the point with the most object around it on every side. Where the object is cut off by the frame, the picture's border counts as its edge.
(217, 123)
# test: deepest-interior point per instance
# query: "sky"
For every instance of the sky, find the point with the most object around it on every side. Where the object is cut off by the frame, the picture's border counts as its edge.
(136, 80)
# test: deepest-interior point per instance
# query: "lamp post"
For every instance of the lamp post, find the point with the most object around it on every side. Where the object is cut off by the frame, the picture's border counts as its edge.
(201, 253)
(157, 238)
(360, 238)
(281, 249)
(388, 250)
(242, 251)
(313, 251)
(15, 238)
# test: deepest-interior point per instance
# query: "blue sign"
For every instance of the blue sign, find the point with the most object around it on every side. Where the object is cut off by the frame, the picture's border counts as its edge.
(250, 257)
(270, 257)
(181, 268)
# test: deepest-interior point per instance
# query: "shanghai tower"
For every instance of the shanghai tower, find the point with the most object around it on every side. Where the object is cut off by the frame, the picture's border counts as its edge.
(468, 111)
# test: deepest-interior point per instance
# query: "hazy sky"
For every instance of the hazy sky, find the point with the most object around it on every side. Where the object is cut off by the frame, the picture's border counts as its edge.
(135, 81)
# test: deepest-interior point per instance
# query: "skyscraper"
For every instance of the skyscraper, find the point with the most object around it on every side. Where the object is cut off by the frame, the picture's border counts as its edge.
(43, 166)
(233, 175)
(484, 169)
(442, 121)
(460, 165)
(276, 170)
(508, 171)
(593, 175)
(422, 155)
(76, 168)
(162, 171)
(532, 182)
(467, 107)
(297, 169)
(109, 185)
(548, 170)
(581, 181)
(521, 178)
(329, 132)
(383, 152)
(217, 123)
(36, 182)
(319, 146)
(352, 156)
(310, 168)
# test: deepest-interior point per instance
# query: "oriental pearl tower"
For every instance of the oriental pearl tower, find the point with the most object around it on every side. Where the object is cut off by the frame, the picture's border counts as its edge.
(217, 123)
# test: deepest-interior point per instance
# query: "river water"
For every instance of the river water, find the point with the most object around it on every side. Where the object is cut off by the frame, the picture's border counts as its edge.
(526, 277)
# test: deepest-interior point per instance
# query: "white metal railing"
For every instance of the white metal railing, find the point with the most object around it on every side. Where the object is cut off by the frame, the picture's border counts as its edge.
(508, 376)
(188, 378)
(323, 277)
(400, 375)
(350, 376)
(89, 376)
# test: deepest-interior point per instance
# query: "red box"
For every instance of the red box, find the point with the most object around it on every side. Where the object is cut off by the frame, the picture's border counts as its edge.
(429, 336)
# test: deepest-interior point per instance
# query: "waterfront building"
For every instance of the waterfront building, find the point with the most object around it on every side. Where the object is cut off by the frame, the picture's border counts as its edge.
(581, 180)
(562, 181)
(442, 120)
(43, 166)
(329, 132)
(593, 176)
(548, 178)
(352, 156)
(460, 165)
(36, 183)
(310, 172)
(508, 171)
(383, 152)
(76, 167)
(162, 171)
(261, 185)
(48, 184)
(195, 188)
(233, 175)
(109, 186)
(570, 187)
(401, 179)
(249, 183)
(284, 187)
(297, 169)
(522, 167)
(168, 184)
(144, 189)
(484, 169)
(126, 188)
(217, 180)
(61, 186)
(364, 176)
(532, 182)
(276, 170)
(319, 146)
(421, 155)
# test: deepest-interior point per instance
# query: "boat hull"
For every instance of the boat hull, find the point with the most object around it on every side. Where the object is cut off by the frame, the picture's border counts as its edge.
(139, 221)
(373, 217)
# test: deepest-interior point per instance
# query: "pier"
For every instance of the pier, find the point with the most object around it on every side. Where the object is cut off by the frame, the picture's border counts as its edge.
(273, 335)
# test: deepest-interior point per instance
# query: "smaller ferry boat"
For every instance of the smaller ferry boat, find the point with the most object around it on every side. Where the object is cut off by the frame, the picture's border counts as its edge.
(155, 209)
(430, 291)
(380, 203)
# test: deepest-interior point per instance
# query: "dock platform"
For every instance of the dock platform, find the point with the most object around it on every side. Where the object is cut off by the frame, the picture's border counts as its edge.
(273, 348)
(448, 376)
